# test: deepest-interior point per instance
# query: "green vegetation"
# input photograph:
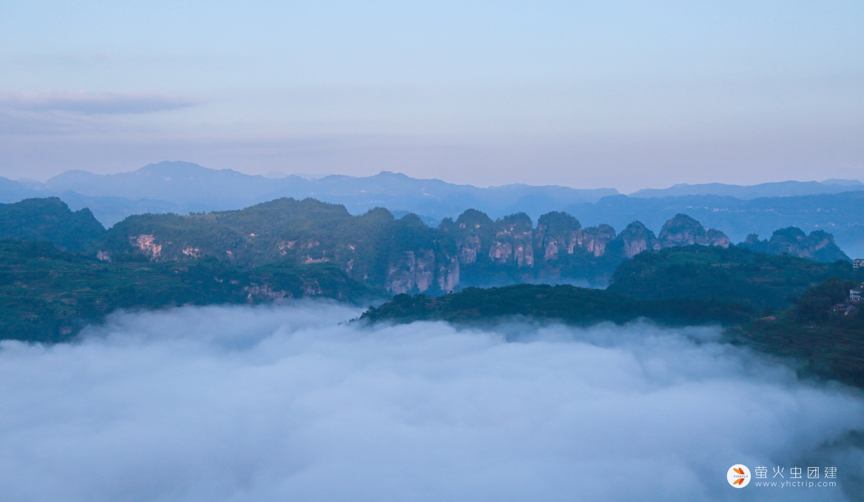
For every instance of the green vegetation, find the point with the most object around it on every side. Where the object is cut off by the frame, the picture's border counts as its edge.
(688, 286)
(579, 306)
(830, 345)
(50, 220)
(48, 295)
(730, 273)
(290, 249)
(280, 231)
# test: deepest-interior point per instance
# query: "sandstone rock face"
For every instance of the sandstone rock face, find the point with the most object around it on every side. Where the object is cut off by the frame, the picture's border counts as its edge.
(448, 275)
(717, 238)
(595, 239)
(636, 238)
(514, 236)
(468, 249)
(524, 254)
(147, 245)
(264, 291)
(406, 256)
(473, 232)
(557, 233)
(411, 271)
(500, 252)
(683, 230)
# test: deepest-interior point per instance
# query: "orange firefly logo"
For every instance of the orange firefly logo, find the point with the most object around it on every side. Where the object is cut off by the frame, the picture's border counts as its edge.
(738, 476)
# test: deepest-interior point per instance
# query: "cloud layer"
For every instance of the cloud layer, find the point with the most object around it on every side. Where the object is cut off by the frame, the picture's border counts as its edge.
(231, 404)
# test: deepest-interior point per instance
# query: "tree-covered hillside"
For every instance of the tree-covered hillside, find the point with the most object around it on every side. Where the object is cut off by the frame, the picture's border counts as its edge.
(739, 290)
(713, 272)
(570, 304)
(50, 220)
(824, 341)
(48, 295)
(401, 255)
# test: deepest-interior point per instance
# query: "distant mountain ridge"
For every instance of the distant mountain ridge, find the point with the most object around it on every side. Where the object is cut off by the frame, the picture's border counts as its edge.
(188, 187)
(746, 192)
(182, 188)
(838, 214)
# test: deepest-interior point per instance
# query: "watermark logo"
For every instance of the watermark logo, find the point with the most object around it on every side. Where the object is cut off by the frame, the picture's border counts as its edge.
(738, 476)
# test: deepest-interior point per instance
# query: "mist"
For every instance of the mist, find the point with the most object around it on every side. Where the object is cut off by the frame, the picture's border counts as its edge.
(292, 403)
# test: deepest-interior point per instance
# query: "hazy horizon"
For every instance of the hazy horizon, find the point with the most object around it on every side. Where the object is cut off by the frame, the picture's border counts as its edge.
(279, 174)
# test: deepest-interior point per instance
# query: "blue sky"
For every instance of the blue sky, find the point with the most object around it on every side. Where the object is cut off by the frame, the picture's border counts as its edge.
(621, 94)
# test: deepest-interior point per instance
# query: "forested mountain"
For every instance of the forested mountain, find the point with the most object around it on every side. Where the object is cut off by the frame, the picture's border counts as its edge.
(726, 273)
(401, 255)
(839, 214)
(563, 303)
(819, 245)
(679, 285)
(686, 274)
(183, 187)
(48, 295)
(778, 304)
(833, 206)
(50, 220)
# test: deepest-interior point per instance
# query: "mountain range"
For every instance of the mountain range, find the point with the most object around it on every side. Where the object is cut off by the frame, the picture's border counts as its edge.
(834, 206)
(183, 187)
(776, 189)
(283, 249)
(397, 255)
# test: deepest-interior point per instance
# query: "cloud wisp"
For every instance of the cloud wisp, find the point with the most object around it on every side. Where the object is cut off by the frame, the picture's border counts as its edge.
(93, 103)
(79, 113)
(231, 404)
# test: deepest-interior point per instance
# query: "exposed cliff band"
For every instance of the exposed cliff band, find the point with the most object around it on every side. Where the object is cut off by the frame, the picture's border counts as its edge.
(401, 255)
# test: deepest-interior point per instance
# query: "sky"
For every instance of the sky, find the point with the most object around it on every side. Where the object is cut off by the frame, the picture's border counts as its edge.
(282, 403)
(585, 94)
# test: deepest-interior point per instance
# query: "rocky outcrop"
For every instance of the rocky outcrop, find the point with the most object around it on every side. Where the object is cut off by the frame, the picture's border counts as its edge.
(595, 239)
(472, 231)
(469, 247)
(412, 271)
(405, 255)
(147, 245)
(819, 245)
(637, 238)
(513, 237)
(683, 230)
(263, 292)
(448, 275)
(556, 233)
(717, 238)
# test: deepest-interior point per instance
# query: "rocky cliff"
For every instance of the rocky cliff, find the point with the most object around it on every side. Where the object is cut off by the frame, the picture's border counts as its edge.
(400, 255)
(683, 230)
(636, 238)
(557, 233)
(819, 245)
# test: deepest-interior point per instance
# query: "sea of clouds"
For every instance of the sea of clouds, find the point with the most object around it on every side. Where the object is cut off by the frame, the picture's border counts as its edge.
(292, 404)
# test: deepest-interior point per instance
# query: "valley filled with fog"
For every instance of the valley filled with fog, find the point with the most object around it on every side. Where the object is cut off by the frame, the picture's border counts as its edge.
(296, 403)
